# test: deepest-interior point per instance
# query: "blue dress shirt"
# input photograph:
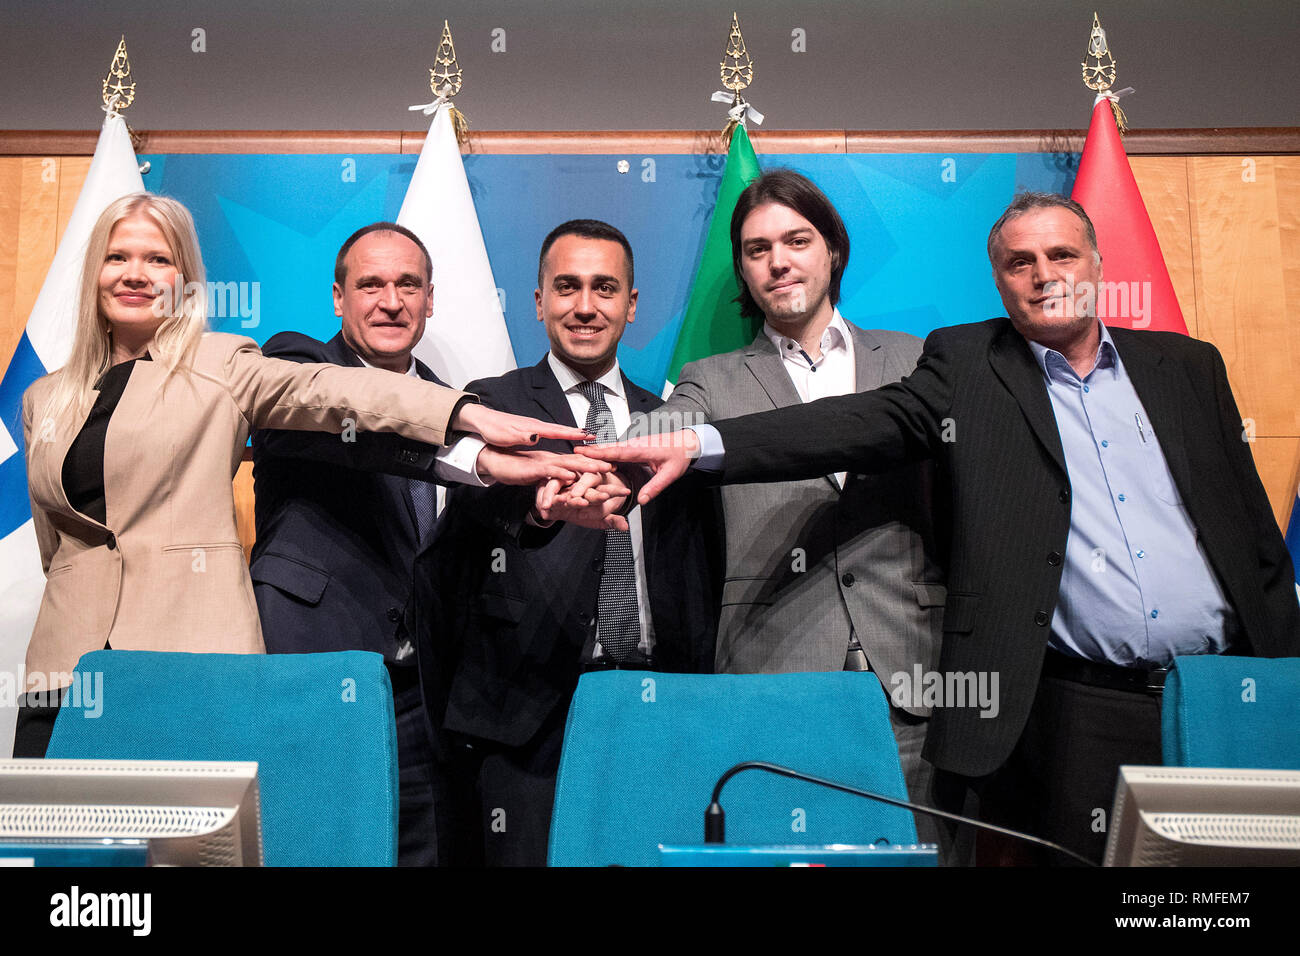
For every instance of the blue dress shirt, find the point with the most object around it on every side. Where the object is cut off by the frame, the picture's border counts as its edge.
(1136, 588)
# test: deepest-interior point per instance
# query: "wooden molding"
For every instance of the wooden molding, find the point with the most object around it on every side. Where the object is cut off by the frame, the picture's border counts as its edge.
(1243, 141)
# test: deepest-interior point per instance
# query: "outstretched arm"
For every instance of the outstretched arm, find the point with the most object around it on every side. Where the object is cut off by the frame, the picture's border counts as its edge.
(868, 432)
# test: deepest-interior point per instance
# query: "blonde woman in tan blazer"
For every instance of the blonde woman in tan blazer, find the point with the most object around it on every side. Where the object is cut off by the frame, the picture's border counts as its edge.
(132, 446)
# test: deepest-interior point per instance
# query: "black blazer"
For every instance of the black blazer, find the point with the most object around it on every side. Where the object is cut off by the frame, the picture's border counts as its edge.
(336, 539)
(978, 404)
(505, 609)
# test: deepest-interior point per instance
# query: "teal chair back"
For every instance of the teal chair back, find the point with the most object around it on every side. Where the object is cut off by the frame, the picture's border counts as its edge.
(642, 751)
(320, 727)
(1222, 711)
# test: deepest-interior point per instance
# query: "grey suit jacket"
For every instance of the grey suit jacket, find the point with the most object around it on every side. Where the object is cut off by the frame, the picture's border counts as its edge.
(805, 561)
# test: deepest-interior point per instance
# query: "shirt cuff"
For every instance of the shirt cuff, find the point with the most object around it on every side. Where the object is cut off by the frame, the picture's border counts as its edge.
(711, 450)
(459, 462)
(533, 521)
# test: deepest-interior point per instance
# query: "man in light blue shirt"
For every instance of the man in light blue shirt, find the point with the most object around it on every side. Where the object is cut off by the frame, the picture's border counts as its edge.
(1106, 516)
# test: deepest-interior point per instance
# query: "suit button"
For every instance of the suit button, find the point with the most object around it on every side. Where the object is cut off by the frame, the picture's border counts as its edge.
(1064, 496)
(1054, 558)
(394, 614)
(847, 579)
(1040, 618)
(111, 541)
(597, 564)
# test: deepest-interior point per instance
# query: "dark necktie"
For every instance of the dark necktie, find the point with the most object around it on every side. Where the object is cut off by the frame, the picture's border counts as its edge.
(617, 616)
(424, 502)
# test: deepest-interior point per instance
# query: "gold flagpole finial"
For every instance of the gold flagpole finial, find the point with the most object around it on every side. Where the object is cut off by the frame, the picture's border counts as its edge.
(1099, 69)
(446, 78)
(118, 82)
(737, 68)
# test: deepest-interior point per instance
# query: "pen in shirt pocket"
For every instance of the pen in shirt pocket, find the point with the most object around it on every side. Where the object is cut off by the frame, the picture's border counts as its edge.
(1142, 432)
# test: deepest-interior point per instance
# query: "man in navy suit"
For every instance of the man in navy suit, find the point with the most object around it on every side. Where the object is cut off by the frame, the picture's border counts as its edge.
(340, 518)
(517, 609)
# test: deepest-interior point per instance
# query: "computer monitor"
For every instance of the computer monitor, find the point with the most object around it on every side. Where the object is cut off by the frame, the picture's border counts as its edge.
(1196, 816)
(160, 812)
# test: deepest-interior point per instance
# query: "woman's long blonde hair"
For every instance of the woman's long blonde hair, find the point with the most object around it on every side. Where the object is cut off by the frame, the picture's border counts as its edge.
(176, 338)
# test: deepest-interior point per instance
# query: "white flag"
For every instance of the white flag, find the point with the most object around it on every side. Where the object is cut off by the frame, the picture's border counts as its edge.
(466, 337)
(44, 346)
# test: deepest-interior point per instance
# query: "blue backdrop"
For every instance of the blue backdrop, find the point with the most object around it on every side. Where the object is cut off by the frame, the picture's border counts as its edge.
(917, 222)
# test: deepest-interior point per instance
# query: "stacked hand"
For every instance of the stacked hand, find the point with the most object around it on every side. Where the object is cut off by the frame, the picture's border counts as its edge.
(508, 460)
(581, 488)
(596, 500)
(668, 456)
(593, 500)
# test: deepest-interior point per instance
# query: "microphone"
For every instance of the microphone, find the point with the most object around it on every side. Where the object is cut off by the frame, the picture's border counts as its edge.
(715, 821)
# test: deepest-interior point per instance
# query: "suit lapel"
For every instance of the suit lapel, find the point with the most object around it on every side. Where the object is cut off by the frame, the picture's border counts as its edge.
(1157, 387)
(868, 360)
(1014, 364)
(340, 353)
(768, 368)
(50, 470)
(639, 401)
(766, 365)
(398, 489)
(547, 393)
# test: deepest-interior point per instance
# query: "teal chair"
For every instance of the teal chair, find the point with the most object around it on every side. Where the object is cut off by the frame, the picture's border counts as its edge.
(1222, 711)
(642, 751)
(320, 727)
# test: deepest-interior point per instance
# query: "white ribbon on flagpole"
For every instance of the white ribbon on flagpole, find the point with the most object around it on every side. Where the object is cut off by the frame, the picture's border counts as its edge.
(1112, 95)
(740, 110)
(430, 108)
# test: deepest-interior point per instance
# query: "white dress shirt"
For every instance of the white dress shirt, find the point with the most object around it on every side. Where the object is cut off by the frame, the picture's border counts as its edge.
(616, 399)
(832, 373)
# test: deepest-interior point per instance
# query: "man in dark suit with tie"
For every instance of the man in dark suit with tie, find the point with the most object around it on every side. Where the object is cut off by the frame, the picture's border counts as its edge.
(340, 518)
(516, 610)
(1106, 518)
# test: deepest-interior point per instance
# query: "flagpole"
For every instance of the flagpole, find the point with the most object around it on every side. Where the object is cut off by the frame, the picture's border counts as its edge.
(712, 322)
(1136, 280)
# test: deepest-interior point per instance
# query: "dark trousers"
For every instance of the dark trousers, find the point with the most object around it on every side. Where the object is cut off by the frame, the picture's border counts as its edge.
(37, 712)
(1059, 782)
(499, 811)
(417, 775)
(36, 715)
(909, 734)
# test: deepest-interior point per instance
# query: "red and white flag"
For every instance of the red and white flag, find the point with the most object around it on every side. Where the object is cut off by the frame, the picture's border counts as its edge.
(1107, 191)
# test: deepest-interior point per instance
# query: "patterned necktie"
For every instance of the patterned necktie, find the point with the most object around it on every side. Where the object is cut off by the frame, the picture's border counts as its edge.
(424, 502)
(617, 616)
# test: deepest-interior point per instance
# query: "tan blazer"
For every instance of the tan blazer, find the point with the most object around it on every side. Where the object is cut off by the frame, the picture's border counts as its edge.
(167, 572)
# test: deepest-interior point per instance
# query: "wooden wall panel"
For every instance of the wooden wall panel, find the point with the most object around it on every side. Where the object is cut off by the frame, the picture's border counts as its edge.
(1162, 181)
(11, 181)
(1287, 182)
(36, 231)
(1275, 459)
(243, 487)
(1240, 293)
(72, 176)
